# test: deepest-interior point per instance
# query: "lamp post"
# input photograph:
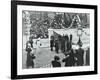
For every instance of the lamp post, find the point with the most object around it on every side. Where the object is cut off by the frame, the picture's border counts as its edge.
(79, 33)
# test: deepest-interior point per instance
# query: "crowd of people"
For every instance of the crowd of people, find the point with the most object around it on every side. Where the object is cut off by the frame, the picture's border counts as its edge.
(39, 31)
(61, 42)
(73, 57)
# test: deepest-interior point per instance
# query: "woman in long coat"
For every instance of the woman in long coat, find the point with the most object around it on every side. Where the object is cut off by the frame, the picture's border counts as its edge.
(29, 60)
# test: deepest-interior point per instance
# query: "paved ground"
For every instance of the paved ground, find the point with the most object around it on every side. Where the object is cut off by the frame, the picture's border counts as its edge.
(43, 57)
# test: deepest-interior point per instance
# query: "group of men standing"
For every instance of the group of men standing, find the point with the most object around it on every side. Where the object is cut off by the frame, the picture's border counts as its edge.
(63, 43)
(73, 57)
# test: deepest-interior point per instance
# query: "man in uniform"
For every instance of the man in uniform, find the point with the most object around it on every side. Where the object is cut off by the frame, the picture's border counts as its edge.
(80, 54)
(56, 45)
(52, 43)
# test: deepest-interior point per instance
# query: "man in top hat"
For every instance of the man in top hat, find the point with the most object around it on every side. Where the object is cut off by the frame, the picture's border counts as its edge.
(56, 45)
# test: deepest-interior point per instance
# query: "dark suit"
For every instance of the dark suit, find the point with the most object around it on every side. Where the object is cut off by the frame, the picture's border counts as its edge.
(80, 55)
(31, 43)
(63, 44)
(56, 46)
(56, 63)
(88, 57)
(51, 44)
(29, 61)
(69, 61)
(32, 57)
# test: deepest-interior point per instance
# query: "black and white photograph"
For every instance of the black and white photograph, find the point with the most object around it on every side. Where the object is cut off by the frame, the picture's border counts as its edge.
(53, 39)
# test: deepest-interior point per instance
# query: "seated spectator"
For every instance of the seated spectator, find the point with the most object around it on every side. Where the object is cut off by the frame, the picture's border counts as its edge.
(56, 62)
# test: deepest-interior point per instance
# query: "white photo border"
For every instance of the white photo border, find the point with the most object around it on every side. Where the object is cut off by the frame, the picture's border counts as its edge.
(21, 71)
